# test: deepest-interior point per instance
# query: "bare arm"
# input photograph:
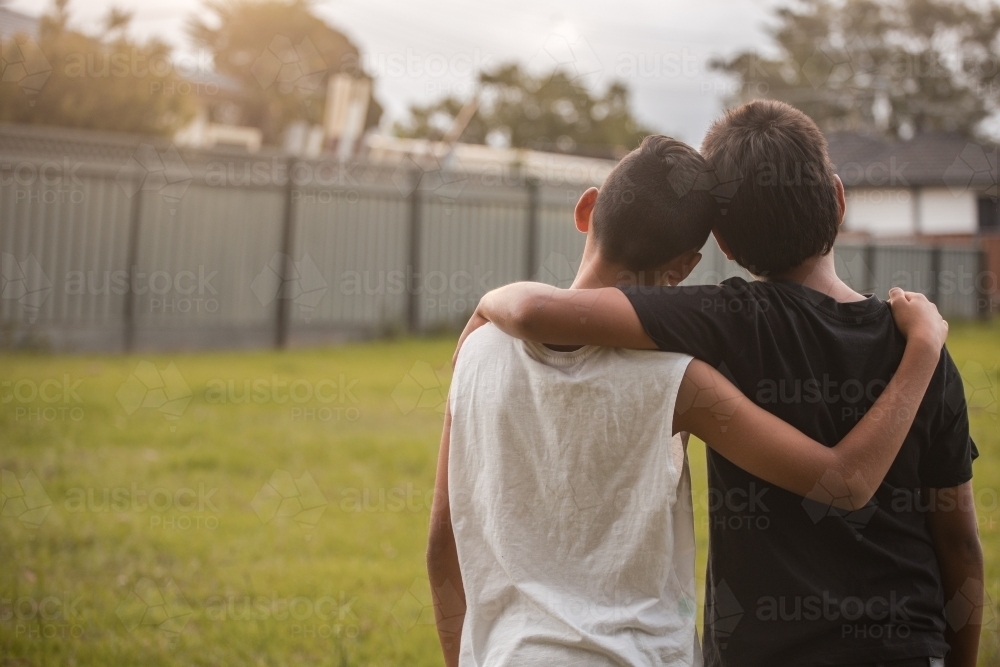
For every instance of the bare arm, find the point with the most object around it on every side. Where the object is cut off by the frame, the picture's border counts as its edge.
(712, 408)
(447, 590)
(546, 314)
(955, 531)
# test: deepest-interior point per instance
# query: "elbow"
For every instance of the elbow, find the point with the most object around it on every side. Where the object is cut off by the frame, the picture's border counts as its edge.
(843, 488)
(852, 502)
(861, 499)
(526, 316)
(860, 493)
(518, 310)
(439, 541)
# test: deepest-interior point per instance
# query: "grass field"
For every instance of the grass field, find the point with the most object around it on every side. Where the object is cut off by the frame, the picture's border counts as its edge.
(262, 508)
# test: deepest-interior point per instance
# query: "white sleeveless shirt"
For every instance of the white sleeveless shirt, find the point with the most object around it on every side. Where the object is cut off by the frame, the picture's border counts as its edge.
(571, 506)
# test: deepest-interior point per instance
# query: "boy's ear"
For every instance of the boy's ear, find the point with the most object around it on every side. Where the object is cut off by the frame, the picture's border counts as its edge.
(584, 212)
(681, 267)
(722, 244)
(841, 197)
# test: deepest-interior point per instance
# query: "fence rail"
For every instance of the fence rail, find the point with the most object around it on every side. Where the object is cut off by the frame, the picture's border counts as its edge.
(115, 242)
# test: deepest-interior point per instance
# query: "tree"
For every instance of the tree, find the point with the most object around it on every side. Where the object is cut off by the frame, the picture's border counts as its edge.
(68, 78)
(889, 67)
(283, 56)
(551, 112)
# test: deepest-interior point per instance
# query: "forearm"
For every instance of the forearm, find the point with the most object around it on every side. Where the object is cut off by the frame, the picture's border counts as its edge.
(514, 308)
(846, 475)
(962, 575)
(545, 314)
(447, 591)
(955, 531)
(865, 454)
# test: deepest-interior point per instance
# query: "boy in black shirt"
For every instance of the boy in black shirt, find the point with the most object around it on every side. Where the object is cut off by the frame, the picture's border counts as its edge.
(791, 582)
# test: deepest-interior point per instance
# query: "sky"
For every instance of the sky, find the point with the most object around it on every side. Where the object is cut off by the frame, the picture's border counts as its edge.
(420, 50)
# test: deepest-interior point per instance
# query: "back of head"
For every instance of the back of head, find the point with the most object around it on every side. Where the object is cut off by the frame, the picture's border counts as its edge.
(784, 206)
(653, 206)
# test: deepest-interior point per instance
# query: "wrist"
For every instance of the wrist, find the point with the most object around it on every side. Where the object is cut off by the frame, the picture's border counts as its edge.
(924, 344)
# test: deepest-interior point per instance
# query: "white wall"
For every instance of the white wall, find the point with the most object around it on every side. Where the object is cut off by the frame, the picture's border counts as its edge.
(945, 212)
(880, 212)
(890, 211)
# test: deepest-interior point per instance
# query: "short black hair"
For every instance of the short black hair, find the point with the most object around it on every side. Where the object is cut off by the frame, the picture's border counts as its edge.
(653, 206)
(772, 159)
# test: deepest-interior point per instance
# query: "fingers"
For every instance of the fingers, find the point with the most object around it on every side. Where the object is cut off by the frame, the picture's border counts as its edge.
(897, 294)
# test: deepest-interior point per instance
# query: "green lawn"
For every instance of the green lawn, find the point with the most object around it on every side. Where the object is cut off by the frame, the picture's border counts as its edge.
(257, 508)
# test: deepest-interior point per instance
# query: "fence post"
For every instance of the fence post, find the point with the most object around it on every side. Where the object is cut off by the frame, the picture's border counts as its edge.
(984, 299)
(132, 257)
(412, 290)
(287, 239)
(870, 251)
(935, 281)
(531, 234)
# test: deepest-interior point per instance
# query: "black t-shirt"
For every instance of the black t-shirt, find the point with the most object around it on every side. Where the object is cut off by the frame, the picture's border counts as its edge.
(792, 582)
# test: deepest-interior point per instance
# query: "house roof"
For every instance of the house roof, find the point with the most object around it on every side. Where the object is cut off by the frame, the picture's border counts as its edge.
(12, 23)
(212, 82)
(552, 168)
(927, 160)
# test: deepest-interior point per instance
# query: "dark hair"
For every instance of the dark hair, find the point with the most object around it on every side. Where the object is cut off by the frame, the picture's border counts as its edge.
(652, 206)
(771, 158)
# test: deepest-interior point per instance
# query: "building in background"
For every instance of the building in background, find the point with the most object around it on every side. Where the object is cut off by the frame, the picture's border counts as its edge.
(932, 189)
(933, 185)
(218, 121)
(14, 23)
(505, 164)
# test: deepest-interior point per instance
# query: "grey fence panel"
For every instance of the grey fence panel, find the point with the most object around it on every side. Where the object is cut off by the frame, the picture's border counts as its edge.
(64, 245)
(560, 245)
(359, 247)
(960, 277)
(198, 260)
(853, 263)
(909, 267)
(468, 247)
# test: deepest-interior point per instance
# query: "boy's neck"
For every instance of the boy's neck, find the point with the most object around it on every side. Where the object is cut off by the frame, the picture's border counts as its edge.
(820, 274)
(595, 273)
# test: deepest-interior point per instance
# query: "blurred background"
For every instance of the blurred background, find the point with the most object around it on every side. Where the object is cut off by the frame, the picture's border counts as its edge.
(238, 239)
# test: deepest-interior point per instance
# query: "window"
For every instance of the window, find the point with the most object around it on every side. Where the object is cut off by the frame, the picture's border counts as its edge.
(989, 215)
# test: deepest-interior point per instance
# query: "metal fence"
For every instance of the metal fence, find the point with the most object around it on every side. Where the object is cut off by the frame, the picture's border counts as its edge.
(116, 242)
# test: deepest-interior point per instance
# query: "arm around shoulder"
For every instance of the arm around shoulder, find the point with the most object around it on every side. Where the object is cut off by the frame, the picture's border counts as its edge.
(545, 314)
